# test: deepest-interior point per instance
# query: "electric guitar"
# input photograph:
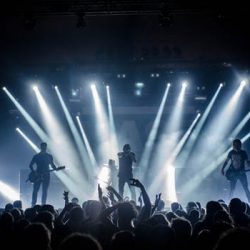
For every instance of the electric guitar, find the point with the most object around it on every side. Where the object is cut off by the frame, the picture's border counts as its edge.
(231, 173)
(34, 176)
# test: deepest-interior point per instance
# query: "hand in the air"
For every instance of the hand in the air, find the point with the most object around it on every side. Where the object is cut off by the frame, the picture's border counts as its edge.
(136, 183)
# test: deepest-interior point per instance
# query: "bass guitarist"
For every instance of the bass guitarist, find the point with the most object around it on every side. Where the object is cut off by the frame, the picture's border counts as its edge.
(43, 161)
(236, 171)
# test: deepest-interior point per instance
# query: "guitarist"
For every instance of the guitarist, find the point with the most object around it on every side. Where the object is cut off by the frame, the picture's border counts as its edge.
(237, 158)
(43, 161)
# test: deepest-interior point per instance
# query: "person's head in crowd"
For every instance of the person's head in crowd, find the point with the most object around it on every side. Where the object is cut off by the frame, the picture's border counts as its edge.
(36, 236)
(190, 206)
(17, 215)
(8, 207)
(92, 209)
(49, 208)
(123, 240)
(158, 219)
(236, 206)
(194, 216)
(47, 218)
(77, 241)
(18, 204)
(30, 214)
(175, 206)
(182, 228)
(170, 216)
(181, 213)
(75, 200)
(212, 207)
(222, 216)
(126, 213)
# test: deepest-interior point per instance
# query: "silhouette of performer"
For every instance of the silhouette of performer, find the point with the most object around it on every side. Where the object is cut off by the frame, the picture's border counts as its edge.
(237, 158)
(125, 173)
(43, 161)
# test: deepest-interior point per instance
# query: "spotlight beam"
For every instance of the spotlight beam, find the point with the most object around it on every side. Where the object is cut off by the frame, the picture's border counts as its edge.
(153, 132)
(105, 149)
(9, 192)
(27, 139)
(111, 123)
(86, 141)
(172, 157)
(62, 148)
(197, 130)
(43, 136)
(75, 133)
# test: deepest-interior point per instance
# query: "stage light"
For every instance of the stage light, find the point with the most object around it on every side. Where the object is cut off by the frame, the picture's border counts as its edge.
(169, 84)
(56, 87)
(35, 88)
(138, 92)
(27, 139)
(221, 85)
(243, 82)
(153, 133)
(4, 88)
(139, 85)
(184, 84)
(9, 192)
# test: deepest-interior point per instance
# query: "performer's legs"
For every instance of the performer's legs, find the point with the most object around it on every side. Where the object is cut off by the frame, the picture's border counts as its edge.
(121, 185)
(45, 186)
(36, 187)
(244, 183)
(232, 187)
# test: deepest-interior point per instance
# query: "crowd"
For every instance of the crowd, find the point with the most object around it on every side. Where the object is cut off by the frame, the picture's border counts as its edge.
(112, 223)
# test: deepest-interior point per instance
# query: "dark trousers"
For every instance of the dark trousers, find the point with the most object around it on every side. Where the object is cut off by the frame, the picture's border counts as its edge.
(122, 181)
(36, 186)
(243, 180)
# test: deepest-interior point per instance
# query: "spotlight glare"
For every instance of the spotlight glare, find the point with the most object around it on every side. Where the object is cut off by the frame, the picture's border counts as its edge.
(169, 84)
(221, 85)
(35, 88)
(184, 84)
(56, 87)
(4, 88)
(243, 82)
(107, 86)
(92, 86)
(139, 84)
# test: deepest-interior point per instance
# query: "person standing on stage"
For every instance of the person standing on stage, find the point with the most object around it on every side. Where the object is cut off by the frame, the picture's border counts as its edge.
(237, 158)
(125, 173)
(43, 161)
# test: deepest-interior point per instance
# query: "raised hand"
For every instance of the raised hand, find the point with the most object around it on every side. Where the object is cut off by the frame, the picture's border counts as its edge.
(99, 191)
(136, 183)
